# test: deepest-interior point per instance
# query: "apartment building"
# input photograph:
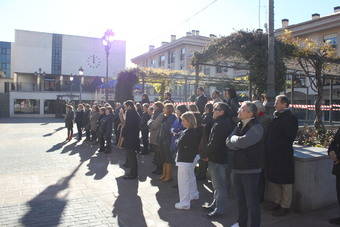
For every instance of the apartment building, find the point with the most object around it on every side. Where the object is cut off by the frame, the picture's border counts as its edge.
(320, 29)
(177, 55)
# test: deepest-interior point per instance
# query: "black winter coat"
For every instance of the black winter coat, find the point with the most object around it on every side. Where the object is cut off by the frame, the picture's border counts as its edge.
(200, 102)
(207, 121)
(80, 118)
(108, 126)
(279, 148)
(130, 131)
(144, 122)
(69, 118)
(335, 146)
(101, 124)
(86, 119)
(187, 144)
(234, 105)
(217, 150)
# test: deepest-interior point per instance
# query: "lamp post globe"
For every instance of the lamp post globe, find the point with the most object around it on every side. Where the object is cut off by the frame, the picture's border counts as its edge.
(71, 79)
(80, 73)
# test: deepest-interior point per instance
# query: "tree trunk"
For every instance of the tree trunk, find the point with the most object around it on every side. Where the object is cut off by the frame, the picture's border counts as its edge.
(318, 124)
(197, 72)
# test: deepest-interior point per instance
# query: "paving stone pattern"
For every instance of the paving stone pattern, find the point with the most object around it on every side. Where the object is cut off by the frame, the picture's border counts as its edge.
(47, 182)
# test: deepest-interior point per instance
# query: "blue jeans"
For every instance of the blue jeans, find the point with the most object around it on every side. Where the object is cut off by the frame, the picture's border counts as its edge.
(217, 173)
(248, 198)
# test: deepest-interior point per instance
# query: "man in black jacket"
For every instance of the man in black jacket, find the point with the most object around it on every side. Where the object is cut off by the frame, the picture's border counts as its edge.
(334, 153)
(246, 145)
(130, 135)
(201, 100)
(108, 129)
(218, 157)
(280, 155)
(80, 120)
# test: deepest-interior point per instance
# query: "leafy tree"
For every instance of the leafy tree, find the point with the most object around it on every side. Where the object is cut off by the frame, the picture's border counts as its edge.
(315, 59)
(248, 48)
(126, 81)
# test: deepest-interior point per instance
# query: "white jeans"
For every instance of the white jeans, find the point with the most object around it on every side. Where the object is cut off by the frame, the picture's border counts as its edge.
(187, 186)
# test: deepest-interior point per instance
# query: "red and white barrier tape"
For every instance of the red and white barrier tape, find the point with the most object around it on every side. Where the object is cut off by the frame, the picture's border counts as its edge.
(334, 107)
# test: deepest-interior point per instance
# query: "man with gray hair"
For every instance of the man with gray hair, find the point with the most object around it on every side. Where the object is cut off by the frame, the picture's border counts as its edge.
(280, 156)
(246, 146)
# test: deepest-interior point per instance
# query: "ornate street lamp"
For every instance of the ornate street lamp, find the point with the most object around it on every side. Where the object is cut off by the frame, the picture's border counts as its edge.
(80, 73)
(107, 42)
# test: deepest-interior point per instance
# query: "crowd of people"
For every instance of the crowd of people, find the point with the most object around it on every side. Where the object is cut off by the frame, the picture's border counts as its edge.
(231, 143)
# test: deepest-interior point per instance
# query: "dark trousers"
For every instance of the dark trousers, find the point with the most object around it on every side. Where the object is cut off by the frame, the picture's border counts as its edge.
(101, 141)
(108, 144)
(79, 128)
(145, 141)
(117, 133)
(69, 132)
(246, 188)
(132, 162)
(88, 134)
(202, 169)
(338, 187)
(262, 186)
(93, 135)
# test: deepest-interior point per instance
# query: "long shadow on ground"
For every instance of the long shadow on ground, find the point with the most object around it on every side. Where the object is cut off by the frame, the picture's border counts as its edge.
(46, 209)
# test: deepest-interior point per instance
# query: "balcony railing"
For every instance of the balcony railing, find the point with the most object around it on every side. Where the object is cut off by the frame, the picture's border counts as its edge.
(33, 87)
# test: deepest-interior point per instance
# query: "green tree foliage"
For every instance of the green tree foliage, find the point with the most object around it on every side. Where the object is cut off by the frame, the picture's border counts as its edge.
(126, 81)
(250, 47)
(315, 59)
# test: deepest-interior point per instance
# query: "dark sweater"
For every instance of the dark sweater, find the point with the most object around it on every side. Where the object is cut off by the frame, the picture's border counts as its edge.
(217, 150)
(188, 144)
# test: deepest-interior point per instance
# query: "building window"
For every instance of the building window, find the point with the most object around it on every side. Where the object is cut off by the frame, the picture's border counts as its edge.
(182, 54)
(153, 62)
(4, 66)
(331, 39)
(172, 57)
(50, 106)
(169, 58)
(26, 106)
(162, 61)
(218, 69)
(56, 53)
(207, 70)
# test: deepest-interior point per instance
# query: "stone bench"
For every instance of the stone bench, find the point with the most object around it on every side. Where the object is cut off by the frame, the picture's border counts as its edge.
(314, 186)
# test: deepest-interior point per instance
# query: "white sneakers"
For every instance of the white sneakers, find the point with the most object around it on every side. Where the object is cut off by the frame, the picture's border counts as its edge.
(181, 207)
(235, 225)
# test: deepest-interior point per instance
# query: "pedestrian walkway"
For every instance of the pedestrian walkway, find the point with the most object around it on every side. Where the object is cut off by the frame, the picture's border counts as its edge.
(46, 182)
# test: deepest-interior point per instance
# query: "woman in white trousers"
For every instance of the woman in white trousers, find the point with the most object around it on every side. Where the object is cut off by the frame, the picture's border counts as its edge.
(186, 161)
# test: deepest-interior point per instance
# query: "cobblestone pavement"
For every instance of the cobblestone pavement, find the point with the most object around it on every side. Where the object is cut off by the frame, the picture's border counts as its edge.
(47, 182)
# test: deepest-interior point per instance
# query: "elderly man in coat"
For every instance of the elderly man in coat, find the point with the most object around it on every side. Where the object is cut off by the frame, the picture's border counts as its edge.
(280, 155)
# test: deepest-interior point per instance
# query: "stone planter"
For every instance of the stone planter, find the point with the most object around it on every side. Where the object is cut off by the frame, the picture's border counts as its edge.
(314, 186)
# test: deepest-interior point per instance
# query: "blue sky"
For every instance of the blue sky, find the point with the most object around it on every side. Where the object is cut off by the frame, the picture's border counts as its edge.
(145, 22)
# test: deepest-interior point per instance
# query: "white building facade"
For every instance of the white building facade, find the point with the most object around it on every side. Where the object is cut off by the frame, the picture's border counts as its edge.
(45, 66)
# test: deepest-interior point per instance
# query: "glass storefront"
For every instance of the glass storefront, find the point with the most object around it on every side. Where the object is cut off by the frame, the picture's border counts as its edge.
(50, 106)
(26, 106)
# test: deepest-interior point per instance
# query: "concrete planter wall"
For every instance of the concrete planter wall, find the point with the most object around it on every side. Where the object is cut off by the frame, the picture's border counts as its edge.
(314, 186)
